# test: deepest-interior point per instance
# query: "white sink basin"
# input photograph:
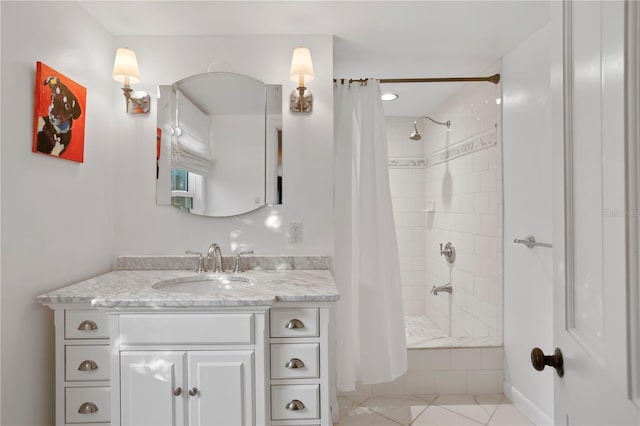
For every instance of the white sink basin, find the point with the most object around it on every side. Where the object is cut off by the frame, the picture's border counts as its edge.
(204, 284)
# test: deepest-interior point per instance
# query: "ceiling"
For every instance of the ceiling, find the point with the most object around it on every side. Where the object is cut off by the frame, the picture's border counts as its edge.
(379, 39)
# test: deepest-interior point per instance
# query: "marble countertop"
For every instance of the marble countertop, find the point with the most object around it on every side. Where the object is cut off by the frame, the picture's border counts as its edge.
(123, 289)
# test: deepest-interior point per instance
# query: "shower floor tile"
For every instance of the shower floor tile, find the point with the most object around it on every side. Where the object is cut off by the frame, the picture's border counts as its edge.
(415, 410)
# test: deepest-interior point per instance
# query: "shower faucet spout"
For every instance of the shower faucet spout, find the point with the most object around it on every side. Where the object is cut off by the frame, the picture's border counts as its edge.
(447, 288)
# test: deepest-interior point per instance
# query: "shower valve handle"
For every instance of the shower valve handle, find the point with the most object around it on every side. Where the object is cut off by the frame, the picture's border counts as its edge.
(449, 252)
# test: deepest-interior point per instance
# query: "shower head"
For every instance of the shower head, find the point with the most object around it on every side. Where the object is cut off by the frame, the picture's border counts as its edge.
(415, 135)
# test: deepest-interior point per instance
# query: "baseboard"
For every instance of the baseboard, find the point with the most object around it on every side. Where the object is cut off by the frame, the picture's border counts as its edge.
(527, 407)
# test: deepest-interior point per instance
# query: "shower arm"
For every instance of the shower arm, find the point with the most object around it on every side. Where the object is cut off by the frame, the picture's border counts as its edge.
(442, 123)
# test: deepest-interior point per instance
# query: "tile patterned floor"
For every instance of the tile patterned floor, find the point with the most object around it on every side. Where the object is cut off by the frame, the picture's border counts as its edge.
(491, 410)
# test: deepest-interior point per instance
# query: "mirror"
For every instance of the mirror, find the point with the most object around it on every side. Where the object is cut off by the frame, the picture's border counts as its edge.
(219, 143)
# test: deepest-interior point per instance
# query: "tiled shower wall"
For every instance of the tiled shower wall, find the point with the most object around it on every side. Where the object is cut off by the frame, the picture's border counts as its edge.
(467, 192)
(458, 173)
(407, 192)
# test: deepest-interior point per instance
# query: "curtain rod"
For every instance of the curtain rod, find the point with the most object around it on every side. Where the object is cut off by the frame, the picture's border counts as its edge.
(495, 79)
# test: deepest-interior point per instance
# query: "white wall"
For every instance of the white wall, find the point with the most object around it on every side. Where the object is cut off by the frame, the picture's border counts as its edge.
(467, 191)
(144, 228)
(528, 210)
(57, 215)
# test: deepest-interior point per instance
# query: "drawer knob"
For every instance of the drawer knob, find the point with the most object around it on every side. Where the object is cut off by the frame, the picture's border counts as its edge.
(87, 325)
(295, 405)
(88, 408)
(295, 323)
(177, 391)
(193, 391)
(87, 365)
(294, 363)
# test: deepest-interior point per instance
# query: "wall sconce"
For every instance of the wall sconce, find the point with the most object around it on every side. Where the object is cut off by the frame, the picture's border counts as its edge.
(416, 136)
(125, 70)
(301, 99)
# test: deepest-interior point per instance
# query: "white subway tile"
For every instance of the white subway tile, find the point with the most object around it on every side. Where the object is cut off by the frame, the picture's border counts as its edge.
(482, 382)
(474, 306)
(413, 359)
(480, 329)
(462, 280)
(481, 289)
(466, 359)
(492, 358)
(489, 225)
(489, 180)
(493, 202)
(413, 307)
(481, 202)
(420, 382)
(474, 183)
(451, 382)
(480, 160)
(435, 359)
(474, 223)
(481, 246)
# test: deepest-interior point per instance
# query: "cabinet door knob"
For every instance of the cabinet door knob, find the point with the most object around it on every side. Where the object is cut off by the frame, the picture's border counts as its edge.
(177, 391)
(294, 363)
(193, 391)
(87, 325)
(88, 408)
(294, 405)
(87, 365)
(295, 323)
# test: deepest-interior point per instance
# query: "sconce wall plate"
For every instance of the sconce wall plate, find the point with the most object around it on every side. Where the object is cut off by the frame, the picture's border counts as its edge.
(302, 103)
(138, 102)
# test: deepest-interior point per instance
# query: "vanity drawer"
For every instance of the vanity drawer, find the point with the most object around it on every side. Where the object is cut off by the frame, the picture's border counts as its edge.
(87, 405)
(86, 363)
(85, 324)
(304, 397)
(172, 329)
(294, 322)
(295, 361)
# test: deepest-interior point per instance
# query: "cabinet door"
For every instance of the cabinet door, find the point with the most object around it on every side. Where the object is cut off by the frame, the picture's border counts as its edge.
(152, 388)
(220, 388)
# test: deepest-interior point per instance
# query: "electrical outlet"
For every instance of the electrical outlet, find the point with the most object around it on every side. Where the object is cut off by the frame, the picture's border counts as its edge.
(295, 232)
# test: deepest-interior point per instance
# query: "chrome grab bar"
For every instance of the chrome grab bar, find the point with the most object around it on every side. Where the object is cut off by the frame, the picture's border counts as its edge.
(530, 242)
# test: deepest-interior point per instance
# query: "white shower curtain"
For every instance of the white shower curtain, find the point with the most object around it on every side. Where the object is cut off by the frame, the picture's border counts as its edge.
(371, 346)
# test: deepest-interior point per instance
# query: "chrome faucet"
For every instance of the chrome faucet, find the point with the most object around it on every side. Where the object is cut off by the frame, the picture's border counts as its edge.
(215, 254)
(447, 288)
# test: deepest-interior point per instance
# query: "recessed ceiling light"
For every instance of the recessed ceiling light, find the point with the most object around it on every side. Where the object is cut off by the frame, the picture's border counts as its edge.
(389, 97)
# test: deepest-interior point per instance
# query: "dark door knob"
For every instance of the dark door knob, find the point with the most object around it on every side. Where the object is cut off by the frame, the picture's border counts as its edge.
(539, 360)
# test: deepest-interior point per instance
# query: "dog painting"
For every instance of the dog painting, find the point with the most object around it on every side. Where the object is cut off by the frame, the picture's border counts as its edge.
(59, 115)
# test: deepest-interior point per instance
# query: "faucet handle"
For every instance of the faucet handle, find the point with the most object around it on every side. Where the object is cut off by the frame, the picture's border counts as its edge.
(237, 267)
(201, 267)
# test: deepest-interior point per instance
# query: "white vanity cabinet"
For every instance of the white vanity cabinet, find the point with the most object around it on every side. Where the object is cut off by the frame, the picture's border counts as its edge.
(195, 369)
(201, 388)
(82, 365)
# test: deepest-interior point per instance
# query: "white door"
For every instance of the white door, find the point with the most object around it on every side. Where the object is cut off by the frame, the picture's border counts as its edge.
(220, 388)
(591, 306)
(152, 388)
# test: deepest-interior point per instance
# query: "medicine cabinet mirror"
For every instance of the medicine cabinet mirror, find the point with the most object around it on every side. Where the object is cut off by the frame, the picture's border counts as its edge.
(219, 143)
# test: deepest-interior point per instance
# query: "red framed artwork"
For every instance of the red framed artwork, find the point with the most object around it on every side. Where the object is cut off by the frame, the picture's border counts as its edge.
(59, 119)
